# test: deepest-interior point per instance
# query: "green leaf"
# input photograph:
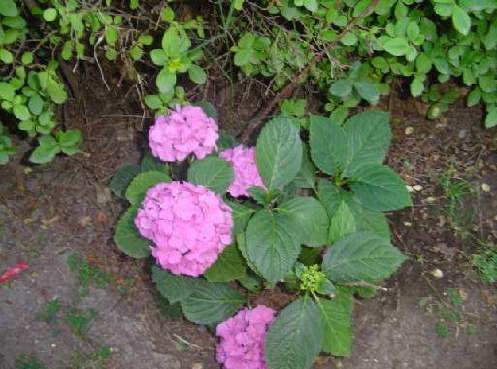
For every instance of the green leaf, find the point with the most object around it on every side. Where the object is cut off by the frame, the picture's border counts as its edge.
(50, 14)
(150, 162)
(7, 91)
(228, 266)
(341, 88)
(6, 56)
(305, 177)
(311, 217)
(158, 57)
(46, 151)
(139, 186)
(367, 91)
(21, 112)
(278, 152)
(491, 118)
(127, 238)
(197, 74)
(122, 178)
(241, 215)
(342, 223)
(69, 138)
(336, 319)
(175, 42)
(368, 137)
(8, 8)
(212, 303)
(327, 140)
(365, 220)
(474, 97)
(56, 91)
(153, 102)
(379, 188)
(417, 86)
(174, 287)
(272, 244)
(461, 20)
(165, 81)
(211, 172)
(35, 104)
(396, 46)
(361, 257)
(295, 337)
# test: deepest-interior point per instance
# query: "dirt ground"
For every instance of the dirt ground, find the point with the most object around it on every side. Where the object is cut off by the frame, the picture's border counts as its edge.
(107, 314)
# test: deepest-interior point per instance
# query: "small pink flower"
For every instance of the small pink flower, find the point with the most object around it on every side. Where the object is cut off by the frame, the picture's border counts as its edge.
(246, 174)
(186, 130)
(241, 343)
(189, 225)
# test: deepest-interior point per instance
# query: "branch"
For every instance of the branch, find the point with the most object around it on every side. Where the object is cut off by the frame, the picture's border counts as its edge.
(287, 91)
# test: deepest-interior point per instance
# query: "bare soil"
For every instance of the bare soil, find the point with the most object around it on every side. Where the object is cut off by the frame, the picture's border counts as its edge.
(48, 213)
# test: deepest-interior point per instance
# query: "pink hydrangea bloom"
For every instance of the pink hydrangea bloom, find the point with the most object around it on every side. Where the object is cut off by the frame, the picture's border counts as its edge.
(241, 344)
(189, 225)
(184, 131)
(246, 174)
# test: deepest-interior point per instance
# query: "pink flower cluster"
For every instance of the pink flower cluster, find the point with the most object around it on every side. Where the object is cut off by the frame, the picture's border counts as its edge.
(189, 225)
(246, 174)
(186, 130)
(241, 344)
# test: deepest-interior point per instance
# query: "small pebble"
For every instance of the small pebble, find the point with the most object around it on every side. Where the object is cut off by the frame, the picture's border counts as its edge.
(409, 130)
(409, 188)
(27, 170)
(198, 366)
(408, 224)
(437, 273)
(485, 187)
(418, 188)
(430, 199)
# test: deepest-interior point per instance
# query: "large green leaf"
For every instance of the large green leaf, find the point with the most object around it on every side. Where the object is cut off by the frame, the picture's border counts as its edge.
(211, 172)
(128, 239)
(368, 137)
(174, 287)
(229, 266)
(295, 337)
(175, 42)
(139, 186)
(272, 244)
(312, 218)
(396, 46)
(342, 223)
(306, 176)
(379, 188)
(361, 257)
(8, 8)
(278, 153)
(336, 316)
(461, 20)
(150, 162)
(122, 178)
(241, 215)
(365, 220)
(212, 303)
(327, 140)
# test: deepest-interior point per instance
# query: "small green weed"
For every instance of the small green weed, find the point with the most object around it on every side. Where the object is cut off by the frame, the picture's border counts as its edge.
(485, 263)
(49, 312)
(28, 362)
(87, 274)
(457, 191)
(79, 321)
(94, 360)
(448, 310)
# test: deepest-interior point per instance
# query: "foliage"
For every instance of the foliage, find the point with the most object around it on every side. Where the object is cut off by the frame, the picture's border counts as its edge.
(86, 273)
(427, 43)
(485, 262)
(326, 195)
(28, 362)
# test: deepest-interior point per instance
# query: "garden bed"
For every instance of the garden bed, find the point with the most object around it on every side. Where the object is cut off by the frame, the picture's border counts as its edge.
(106, 300)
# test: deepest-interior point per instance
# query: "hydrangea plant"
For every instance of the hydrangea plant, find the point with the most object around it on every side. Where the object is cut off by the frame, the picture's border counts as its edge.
(303, 215)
